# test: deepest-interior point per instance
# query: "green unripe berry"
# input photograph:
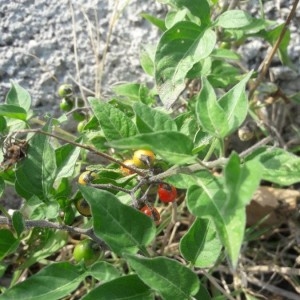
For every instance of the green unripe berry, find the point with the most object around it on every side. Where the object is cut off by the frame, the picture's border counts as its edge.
(81, 125)
(87, 251)
(66, 105)
(65, 90)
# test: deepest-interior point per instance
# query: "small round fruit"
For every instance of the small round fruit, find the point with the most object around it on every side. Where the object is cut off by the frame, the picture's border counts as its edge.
(65, 105)
(81, 126)
(246, 132)
(143, 158)
(130, 163)
(225, 45)
(152, 213)
(65, 90)
(166, 192)
(86, 250)
(245, 135)
(83, 207)
(87, 177)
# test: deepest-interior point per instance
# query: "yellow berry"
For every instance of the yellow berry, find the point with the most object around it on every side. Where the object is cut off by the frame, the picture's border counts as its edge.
(130, 163)
(83, 207)
(87, 177)
(143, 158)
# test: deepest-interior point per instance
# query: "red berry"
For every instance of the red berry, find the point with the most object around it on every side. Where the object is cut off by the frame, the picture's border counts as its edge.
(166, 192)
(152, 213)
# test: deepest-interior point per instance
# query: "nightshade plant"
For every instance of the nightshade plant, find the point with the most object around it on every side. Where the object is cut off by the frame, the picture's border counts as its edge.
(199, 101)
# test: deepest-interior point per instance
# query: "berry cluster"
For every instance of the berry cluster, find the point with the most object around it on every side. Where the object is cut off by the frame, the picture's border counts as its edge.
(141, 159)
(67, 103)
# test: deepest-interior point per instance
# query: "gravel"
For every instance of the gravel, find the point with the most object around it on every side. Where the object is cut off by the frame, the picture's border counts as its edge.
(37, 44)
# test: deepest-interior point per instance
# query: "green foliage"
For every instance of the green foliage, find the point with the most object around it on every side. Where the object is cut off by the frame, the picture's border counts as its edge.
(201, 245)
(223, 116)
(193, 43)
(129, 229)
(65, 277)
(168, 277)
(36, 173)
(188, 120)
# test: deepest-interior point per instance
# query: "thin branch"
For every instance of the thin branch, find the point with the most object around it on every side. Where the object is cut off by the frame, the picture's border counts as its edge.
(110, 186)
(76, 54)
(273, 289)
(268, 59)
(47, 224)
(273, 269)
(207, 165)
(215, 284)
(89, 148)
(250, 150)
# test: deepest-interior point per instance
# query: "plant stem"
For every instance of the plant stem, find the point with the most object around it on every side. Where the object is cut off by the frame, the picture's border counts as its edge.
(47, 224)
(207, 165)
(268, 59)
(210, 150)
(89, 148)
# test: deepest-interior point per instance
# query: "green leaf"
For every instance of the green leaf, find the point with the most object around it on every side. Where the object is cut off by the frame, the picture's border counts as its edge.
(178, 50)
(3, 268)
(241, 181)
(189, 127)
(203, 294)
(2, 186)
(159, 23)
(222, 117)
(13, 111)
(201, 245)
(227, 210)
(235, 104)
(114, 123)
(66, 158)
(46, 210)
(234, 19)
(147, 56)
(18, 96)
(184, 181)
(103, 271)
(168, 277)
(128, 90)
(202, 140)
(129, 230)
(52, 282)
(272, 35)
(18, 222)
(278, 166)
(172, 146)
(151, 120)
(223, 74)
(198, 8)
(49, 242)
(209, 113)
(8, 243)
(128, 287)
(225, 54)
(175, 16)
(3, 124)
(36, 172)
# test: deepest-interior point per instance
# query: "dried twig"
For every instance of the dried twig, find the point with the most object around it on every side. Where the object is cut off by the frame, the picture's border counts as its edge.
(273, 289)
(47, 224)
(268, 59)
